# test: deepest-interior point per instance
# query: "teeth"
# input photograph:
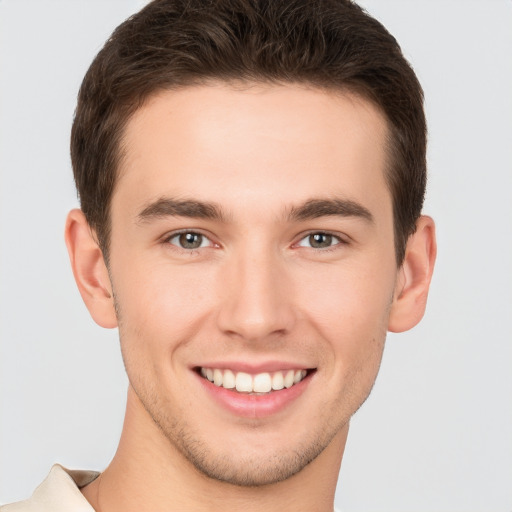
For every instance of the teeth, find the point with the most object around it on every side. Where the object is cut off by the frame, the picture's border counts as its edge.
(262, 383)
(243, 382)
(259, 383)
(278, 381)
(217, 377)
(288, 379)
(298, 376)
(229, 381)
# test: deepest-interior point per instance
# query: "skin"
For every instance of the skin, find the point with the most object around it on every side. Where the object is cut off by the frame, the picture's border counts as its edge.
(258, 291)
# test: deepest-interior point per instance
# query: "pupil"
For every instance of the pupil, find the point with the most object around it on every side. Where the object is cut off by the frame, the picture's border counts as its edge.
(320, 240)
(190, 240)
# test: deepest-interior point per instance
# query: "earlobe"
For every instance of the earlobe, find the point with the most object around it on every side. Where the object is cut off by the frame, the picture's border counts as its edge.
(414, 278)
(89, 269)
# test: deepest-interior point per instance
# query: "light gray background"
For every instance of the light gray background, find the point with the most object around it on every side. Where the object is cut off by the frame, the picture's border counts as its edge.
(436, 434)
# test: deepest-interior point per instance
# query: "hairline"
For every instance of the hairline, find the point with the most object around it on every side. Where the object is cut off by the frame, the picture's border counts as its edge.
(350, 90)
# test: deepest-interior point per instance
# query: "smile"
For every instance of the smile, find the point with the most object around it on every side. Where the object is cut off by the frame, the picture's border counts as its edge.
(259, 383)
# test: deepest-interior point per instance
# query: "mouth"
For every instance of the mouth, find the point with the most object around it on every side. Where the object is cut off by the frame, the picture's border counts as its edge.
(254, 384)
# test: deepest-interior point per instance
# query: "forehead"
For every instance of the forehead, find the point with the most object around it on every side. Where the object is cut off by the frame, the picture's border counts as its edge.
(257, 142)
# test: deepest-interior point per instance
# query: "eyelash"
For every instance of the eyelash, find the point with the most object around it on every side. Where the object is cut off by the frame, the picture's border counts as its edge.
(339, 241)
(337, 238)
(176, 234)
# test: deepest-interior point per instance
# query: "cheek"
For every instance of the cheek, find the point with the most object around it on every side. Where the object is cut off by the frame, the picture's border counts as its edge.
(350, 314)
(348, 307)
(156, 320)
(159, 305)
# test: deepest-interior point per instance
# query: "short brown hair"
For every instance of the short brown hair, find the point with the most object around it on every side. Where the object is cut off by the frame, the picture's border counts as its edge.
(169, 44)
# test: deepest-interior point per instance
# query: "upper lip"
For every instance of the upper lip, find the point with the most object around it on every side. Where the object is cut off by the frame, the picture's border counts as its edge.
(254, 368)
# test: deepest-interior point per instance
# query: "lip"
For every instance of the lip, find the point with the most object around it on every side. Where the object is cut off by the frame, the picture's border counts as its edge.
(252, 405)
(253, 368)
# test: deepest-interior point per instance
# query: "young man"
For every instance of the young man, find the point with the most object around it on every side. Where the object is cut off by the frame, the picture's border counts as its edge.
(251, 177)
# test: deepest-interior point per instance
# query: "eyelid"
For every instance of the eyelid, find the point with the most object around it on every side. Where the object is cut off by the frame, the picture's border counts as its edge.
(342, 239)
(166, 239)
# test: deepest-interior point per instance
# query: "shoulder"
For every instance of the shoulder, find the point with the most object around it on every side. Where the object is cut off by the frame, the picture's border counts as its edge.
(59, 492)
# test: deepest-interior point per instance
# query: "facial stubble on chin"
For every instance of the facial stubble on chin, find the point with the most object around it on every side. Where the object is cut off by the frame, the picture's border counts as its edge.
(230, 467)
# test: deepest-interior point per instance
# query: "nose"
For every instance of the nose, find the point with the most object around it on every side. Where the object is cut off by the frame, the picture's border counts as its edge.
(257, 302)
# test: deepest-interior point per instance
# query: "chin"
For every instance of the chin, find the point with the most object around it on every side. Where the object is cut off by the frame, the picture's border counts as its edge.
(249, 470)
(252, 457)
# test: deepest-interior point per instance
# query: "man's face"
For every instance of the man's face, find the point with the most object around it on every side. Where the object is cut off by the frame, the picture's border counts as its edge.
(252, 244)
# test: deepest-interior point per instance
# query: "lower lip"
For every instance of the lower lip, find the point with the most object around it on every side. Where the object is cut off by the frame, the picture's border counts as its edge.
(255, 406)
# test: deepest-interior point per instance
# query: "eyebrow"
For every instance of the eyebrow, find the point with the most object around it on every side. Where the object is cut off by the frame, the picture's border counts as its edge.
(312, 209)
(316, 208)
(168, 207)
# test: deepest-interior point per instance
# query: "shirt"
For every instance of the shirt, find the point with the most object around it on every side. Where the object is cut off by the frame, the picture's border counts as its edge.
(60, 492)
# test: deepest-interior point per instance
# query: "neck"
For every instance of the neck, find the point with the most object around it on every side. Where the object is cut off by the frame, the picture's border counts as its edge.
(149, 473)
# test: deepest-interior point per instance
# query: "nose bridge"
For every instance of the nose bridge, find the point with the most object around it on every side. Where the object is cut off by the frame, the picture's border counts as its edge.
(256, 301)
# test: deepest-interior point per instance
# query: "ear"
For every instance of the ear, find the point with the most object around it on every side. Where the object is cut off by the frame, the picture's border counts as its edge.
(411, 290)
(89, 269)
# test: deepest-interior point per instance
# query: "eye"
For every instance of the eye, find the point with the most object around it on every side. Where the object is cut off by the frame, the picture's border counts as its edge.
(189, 240)
(320, 241)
